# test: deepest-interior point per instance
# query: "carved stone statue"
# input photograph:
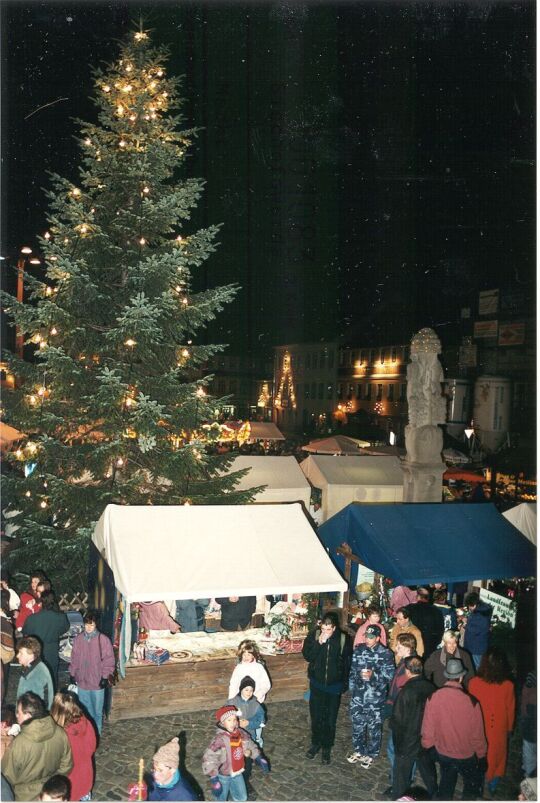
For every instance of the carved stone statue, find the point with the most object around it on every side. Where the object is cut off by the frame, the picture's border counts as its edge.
(423, 465)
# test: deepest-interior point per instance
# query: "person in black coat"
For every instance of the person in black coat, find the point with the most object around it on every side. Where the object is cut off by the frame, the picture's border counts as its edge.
(406, 724)
(328, 651)
(236, 612)
(48, 625)
(428, 619)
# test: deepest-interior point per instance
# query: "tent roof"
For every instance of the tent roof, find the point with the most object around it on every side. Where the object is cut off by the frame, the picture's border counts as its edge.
(162, 553)
(524, 518)
(348, 470)
(9, 434)
(264, 430)
(429, 543)
(275, 472)
(335, 444)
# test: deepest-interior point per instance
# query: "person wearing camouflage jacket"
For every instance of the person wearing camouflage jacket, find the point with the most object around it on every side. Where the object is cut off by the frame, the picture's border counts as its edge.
(372, 671)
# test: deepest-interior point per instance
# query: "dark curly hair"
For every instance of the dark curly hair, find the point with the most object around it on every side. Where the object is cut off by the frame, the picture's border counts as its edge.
(494, 666)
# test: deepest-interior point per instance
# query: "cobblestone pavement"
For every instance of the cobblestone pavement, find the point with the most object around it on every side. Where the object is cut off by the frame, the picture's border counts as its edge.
(293, 776)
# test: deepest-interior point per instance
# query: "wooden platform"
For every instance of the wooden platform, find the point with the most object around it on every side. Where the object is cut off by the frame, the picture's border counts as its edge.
(197, 686)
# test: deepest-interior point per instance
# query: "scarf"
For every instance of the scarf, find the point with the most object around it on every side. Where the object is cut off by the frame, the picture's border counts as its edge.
(444, 655)
(89, 636)
(237, 751)
(174, 780)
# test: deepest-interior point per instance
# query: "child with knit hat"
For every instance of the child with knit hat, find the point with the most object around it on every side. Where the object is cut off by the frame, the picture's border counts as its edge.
(167, 783)
(224, 759)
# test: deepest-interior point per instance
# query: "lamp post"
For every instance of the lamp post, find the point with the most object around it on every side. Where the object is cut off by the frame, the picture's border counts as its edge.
(21, 264)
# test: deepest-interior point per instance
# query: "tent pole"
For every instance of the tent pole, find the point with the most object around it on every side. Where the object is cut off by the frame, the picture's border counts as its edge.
(349, 556)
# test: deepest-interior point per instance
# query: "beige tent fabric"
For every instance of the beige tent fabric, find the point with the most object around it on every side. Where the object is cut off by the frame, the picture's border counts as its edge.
(282, 476)
(9, 435)
(344, 479)
(162, 553)
(523, 517)
(264, 430)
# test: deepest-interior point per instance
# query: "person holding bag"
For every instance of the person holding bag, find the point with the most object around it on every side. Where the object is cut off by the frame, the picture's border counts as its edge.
(92, 664)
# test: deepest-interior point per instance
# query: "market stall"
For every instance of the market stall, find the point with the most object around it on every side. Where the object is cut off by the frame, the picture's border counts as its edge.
(150, 554)
(344, 479)
(282, 477)
(430, 543)
(524, 518)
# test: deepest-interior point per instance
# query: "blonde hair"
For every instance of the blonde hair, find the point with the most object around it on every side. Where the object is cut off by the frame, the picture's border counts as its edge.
(450, 634)
(247, 645)
(65, 709)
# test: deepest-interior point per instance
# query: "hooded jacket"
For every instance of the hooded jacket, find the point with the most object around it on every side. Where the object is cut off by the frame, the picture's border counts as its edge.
(82, 740)
(39, 751)
(91, 660)
(217, 756)
(476, 638)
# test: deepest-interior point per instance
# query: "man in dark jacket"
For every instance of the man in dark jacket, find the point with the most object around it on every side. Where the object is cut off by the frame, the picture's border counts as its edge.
(328, 652)
(428, 619)
(477, 627)
(406, 724)
(48, 625)
(236, 612)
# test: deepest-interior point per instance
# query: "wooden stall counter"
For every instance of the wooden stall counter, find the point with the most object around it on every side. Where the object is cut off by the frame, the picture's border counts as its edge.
(198, 682)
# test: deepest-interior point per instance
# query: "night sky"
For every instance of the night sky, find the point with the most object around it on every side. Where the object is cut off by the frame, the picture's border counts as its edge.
(372, 163)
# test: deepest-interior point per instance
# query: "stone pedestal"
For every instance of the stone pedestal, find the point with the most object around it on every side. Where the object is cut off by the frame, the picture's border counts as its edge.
(422, 482)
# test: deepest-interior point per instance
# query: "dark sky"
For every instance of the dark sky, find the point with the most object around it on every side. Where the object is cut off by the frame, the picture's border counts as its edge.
(372, 162)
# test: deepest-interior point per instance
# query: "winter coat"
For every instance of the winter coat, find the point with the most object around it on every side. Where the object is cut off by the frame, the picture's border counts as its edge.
(371, 693)
(180, 790)
(87, 665)
(251, 710)
(37, 678)
(498, 704)
(453, 723)
(476, 638)
(236, 614)
(39, 751)
(82, 740)
(413, 630)
(256, 672)
(406, 719)
(329, 663)
(217, 756)
(398, 681)
(7, 639)
(528, 707)
(48, 626)
(436, 664)
(430, 621)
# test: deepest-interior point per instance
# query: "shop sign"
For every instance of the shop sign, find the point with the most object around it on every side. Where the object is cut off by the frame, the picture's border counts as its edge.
(485, 329)
(512, 334)
(503, 608)
(467, 355)
(488, 302)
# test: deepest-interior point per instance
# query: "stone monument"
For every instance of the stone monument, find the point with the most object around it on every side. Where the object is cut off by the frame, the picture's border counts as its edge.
(423, 466)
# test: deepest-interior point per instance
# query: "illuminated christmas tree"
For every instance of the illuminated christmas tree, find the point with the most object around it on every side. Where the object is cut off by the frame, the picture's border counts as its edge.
(114, 402)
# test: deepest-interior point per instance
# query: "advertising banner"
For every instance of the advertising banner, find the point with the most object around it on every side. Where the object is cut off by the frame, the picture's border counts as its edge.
(503, 608)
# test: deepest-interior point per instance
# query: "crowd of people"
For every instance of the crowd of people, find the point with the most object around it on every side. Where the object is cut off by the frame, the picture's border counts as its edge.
(446, 694)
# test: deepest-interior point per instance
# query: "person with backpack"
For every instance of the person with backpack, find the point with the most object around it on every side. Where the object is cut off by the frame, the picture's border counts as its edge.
(328, 651)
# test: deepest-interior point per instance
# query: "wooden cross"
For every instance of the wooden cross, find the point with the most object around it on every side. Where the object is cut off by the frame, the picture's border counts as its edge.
(349, 556)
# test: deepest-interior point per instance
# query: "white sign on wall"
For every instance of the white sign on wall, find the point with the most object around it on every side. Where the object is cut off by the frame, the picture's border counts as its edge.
(503, 608)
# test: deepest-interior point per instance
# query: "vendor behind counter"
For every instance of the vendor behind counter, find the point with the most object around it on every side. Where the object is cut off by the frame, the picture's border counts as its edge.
(236, 612)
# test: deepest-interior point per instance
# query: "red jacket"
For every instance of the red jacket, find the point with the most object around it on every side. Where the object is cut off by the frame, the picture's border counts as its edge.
(24, 611)
(453, 723)
(82, 740)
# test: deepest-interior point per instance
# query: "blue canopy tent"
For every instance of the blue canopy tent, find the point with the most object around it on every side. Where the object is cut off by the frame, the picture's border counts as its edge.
(429, 543)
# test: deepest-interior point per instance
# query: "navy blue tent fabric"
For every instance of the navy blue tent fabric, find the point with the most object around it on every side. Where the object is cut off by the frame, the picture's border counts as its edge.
(430, 543)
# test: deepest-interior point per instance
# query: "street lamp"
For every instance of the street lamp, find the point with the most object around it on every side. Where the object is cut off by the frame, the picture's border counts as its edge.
(21, 264)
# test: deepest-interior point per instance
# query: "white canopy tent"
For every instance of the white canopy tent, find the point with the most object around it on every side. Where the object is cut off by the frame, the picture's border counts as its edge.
(264, 430)
(523, 517)
(163, 553)
(282, 476)
(354, 479)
